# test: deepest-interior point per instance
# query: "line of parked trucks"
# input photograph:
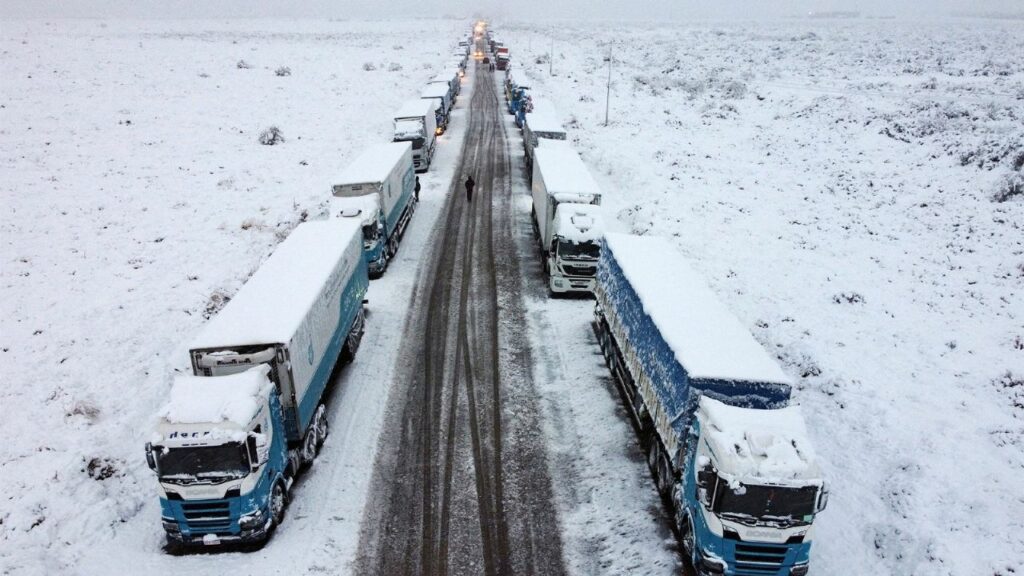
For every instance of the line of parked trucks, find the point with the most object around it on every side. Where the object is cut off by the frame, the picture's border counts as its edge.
(729, 456)
(234, 434)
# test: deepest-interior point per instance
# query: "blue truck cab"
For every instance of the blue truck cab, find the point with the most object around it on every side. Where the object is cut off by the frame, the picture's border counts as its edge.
(377, 191)
(234, 434)
(731, 459)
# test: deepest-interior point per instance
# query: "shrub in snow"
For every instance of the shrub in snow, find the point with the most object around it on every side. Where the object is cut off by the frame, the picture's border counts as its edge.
(217, 301)
(243, 65)
(283, 71)
(271, 136)
(101, 468)
(394, 67)
(368, 66)
(733, 89)
(1010, 187)
(848, 298)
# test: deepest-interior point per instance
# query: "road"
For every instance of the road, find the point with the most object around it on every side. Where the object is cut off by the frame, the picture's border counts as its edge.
(461, 482)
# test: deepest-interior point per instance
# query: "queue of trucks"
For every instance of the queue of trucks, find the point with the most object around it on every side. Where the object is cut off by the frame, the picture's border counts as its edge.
(728, 454)
(233, 436)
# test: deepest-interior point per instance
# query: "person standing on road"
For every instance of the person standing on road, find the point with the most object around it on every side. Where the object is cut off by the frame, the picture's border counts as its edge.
(417, 189)
(469, 189)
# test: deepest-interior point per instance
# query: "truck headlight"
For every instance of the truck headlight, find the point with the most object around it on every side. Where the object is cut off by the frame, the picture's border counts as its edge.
(170, 525)
(798, 570)
(251, 521)
(711, 564)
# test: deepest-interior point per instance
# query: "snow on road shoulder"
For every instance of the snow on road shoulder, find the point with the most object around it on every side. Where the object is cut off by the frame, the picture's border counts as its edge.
(136, 201)
(846, 189)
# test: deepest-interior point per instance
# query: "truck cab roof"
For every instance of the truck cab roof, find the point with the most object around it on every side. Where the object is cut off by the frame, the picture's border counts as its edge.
(760, 446)
(578, 222)
(213, 409)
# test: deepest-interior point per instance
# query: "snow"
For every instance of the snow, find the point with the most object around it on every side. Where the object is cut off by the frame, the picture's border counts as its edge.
(366, 207)
(409, 128)
(544, 119)
(435, 91)
(564, 175)
(708, 340)
(414, 109)
(372, 167)
(768, 445)
(578, 222)
(233, 399)
(273, 303)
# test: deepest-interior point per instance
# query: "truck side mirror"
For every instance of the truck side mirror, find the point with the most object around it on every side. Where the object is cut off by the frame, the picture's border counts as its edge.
(151, 457)
(254, 457)
(823, 499)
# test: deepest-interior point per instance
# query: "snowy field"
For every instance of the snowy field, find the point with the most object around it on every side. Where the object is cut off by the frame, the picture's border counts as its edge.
(841, 183)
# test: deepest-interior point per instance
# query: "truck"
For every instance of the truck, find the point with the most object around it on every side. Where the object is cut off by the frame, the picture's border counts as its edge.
(450, 80)
(377, 190)
(519, 99)
(234, 435)
(416, 123)
(501, 58)
(540, 125)
(729, 455)
(566, 218)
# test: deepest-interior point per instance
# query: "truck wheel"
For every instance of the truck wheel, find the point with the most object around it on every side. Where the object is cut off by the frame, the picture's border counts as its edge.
(321, 426)
(686, 538)
(354, 337)
(309, 446)
(664, 475)
(278, 502)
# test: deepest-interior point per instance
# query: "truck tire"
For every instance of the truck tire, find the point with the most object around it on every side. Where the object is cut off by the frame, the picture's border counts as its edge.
(321, 426)
(278, 504)
(686, 538)
(355, 336)
(309, 447)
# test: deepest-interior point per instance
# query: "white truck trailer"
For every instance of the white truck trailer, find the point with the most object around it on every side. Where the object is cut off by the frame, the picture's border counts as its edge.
(377, 190)
(232, 437)
(568, 227)
(543, 123)
(416, 123)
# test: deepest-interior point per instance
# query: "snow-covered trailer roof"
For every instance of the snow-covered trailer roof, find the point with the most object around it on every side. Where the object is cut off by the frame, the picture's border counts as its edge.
(415, 109)
(435, 90)
(273, 303)
(564, 174)
(373, 166)
(365, 208)
(544, 119)
(444, 77)
(767, 445)
(707, 339)
(578, 222)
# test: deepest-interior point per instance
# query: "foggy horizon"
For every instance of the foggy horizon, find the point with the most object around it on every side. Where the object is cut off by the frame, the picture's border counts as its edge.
(581, 10)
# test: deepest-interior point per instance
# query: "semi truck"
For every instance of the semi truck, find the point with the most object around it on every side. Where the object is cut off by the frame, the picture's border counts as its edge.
(438, 95)
(377, 190)
(234, 435)
(540, 125)
(501, 58)
(416, 123)
(449, 80)
(729, 456)
(566, 218)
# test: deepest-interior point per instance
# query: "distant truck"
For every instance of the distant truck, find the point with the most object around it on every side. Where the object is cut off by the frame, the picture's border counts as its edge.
(566, 218)
(377, 190)
(233, 436)
(449, 79)
(439, 94)
(501, 58)
(540, 125)
(416, 123)
(710, 408)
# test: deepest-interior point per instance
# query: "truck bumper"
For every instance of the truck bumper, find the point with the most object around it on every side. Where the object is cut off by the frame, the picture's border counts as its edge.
(566, 284)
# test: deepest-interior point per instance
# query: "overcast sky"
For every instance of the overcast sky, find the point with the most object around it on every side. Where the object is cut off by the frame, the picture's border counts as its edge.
(501, 9)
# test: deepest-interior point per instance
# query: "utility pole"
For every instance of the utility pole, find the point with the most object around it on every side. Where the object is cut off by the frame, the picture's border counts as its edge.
(608, 94)
(551, 57)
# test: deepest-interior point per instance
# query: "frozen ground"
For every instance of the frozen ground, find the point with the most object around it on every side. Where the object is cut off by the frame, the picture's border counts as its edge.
(839, 183)
(135, 200)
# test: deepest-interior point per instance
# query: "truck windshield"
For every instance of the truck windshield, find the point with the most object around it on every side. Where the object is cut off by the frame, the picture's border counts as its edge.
(204, 463)
(579, 250)
(765, 504)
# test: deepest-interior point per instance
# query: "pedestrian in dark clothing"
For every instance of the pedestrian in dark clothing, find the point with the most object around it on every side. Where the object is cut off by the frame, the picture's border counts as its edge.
(469, 189)
(417, 189)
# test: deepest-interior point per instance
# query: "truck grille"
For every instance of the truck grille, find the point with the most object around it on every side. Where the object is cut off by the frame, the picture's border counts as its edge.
(208, 516)
(759, 558)
(574, 270)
